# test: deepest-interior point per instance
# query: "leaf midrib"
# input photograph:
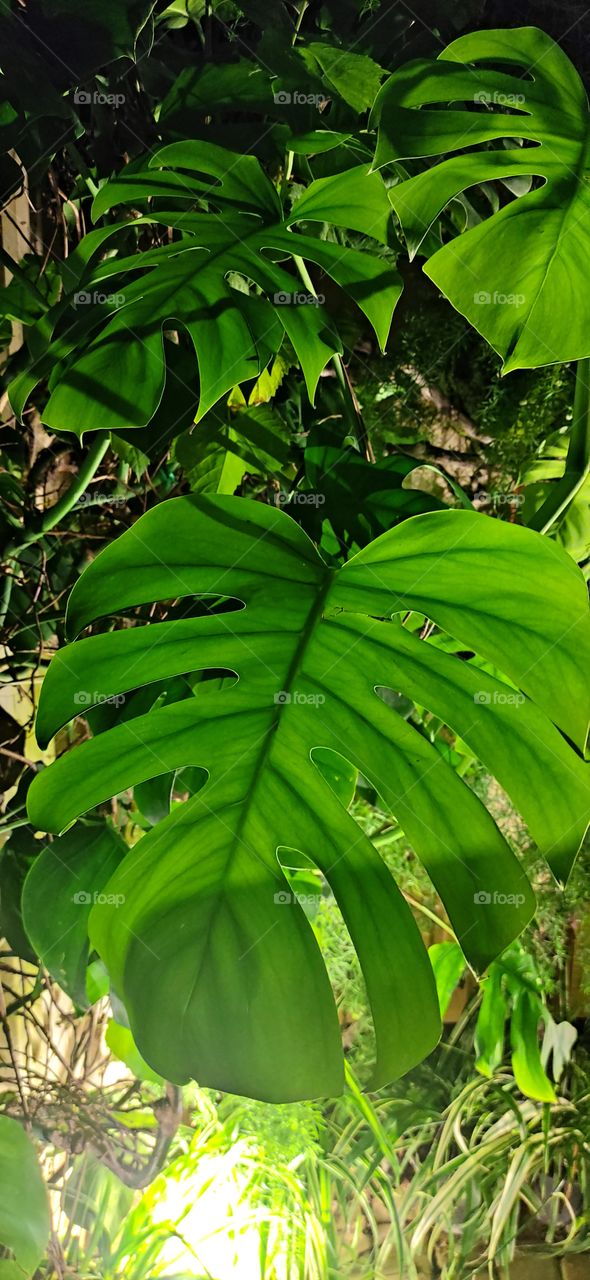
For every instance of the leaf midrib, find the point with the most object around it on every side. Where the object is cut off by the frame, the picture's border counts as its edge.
(267, 742)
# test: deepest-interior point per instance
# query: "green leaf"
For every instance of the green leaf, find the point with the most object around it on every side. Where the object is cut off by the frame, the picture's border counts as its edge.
(200, 92)
(137, 461)
(221, 980)
(528, 1070)
(176, 410)
(10, 1270)
(572, 529)
(210, 457)
(121, 1043)
(106, 364)
(16, 858)
(70, 873)
(347, 199)
(565, 508)
(24, 1208)
(263, 438)
(491, 1021)
(354, 76)
(316, 142)
(267, 385)
(512, 991)
(358, 497)
(217, 453)
(519, 275)
(31, 291)
(97, 982)
(448, 963)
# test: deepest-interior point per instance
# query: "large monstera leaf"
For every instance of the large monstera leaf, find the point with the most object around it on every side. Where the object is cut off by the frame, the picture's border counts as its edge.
(519, 275)
(224, 279)
(216, 962)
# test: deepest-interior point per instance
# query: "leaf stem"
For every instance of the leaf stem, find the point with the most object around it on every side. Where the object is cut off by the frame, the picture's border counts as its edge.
(87, 470)
(352, 412)
(300, 17)
(431, 915)
(577, 463)
(52, 517)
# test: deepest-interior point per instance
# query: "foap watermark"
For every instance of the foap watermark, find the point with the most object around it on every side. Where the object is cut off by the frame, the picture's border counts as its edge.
(485, 899)
(285, 98)
(83, 698)
(499, 499)
(283, 299)
(498, 299)
(499, 99)
(98, 98)
(301, 498)
(102, 499)
(96, 299)
(297, 698)
(285, 899)
(83, 898)
(495, 697)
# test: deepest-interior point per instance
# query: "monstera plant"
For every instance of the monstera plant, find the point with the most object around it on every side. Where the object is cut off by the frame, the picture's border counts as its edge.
(289, 659)
(518, 275)
(215, 960)
(224, 281)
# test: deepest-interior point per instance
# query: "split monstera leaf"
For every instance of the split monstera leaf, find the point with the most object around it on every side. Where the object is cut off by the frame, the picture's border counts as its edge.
(216, 962)
(502, 111)
(520, 111)
(224, 281)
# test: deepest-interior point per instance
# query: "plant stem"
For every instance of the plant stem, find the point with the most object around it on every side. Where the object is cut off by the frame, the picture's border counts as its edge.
(431, 915)
(52, 517)
(577, 463)
(78, 486)
(300, 17)
(291, 154)
(352, 412)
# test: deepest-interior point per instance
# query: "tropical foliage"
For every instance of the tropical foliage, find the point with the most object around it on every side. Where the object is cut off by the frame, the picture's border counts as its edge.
(296, 537)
